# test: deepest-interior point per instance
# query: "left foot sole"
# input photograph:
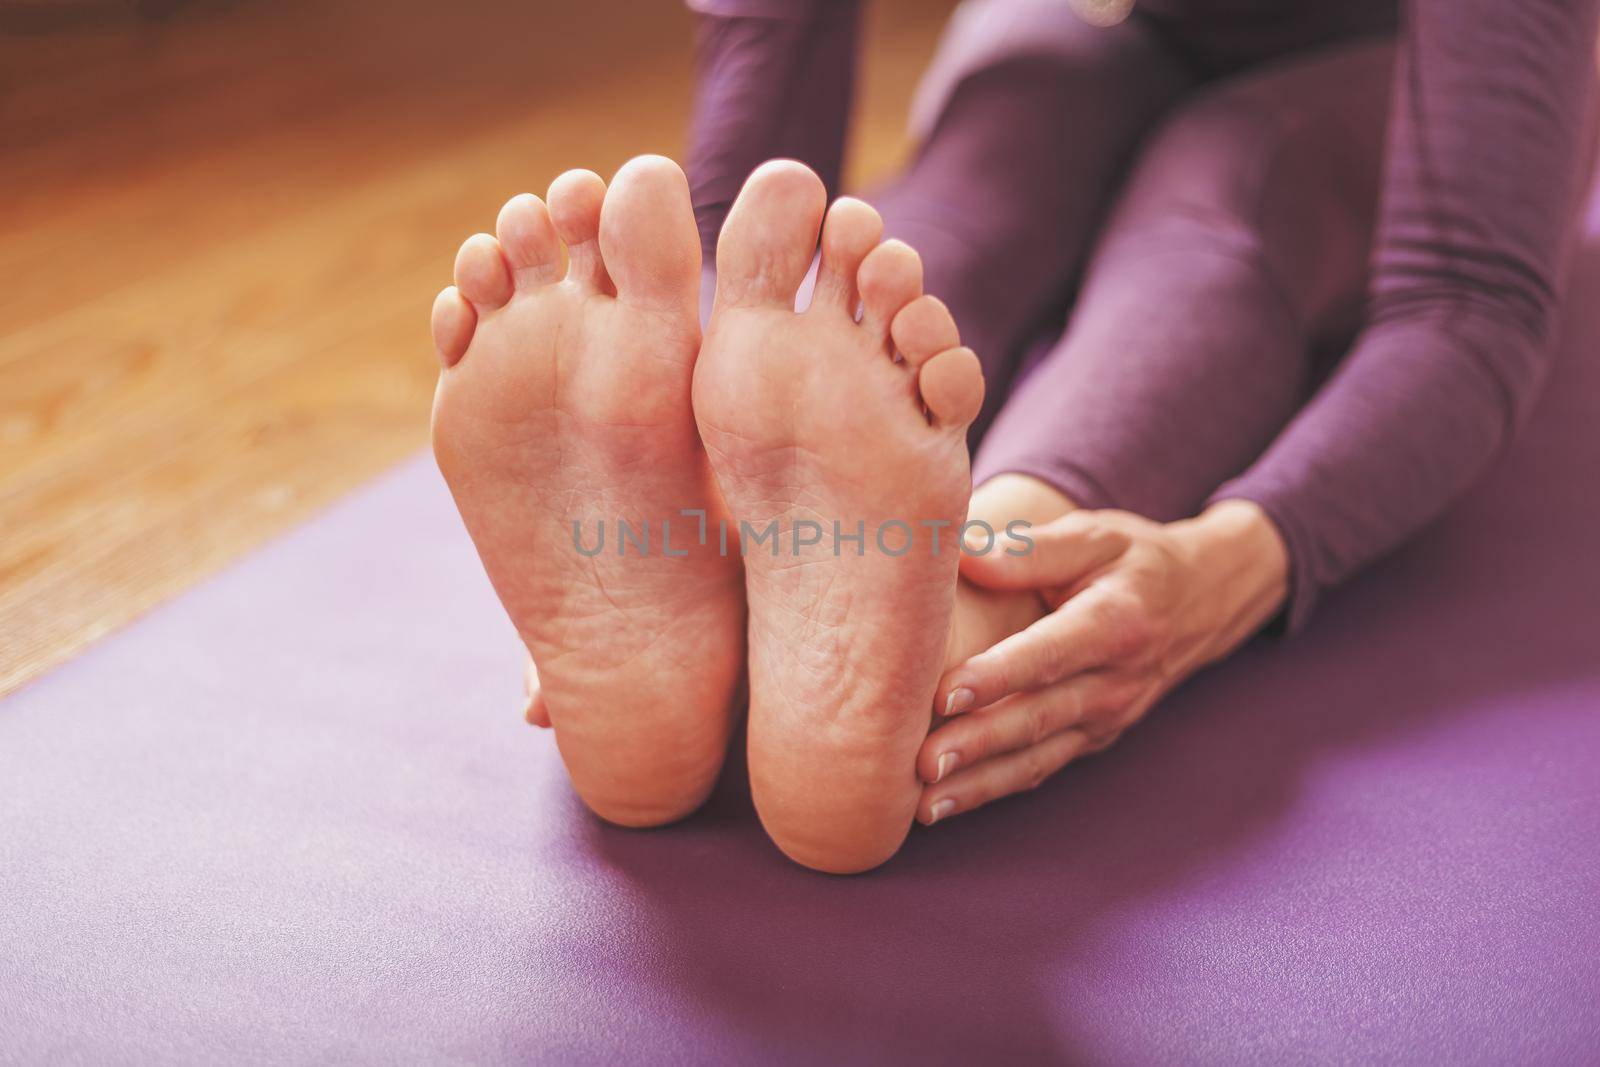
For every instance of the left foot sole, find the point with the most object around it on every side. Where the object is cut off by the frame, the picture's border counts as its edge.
(820, 418)
(564, 404)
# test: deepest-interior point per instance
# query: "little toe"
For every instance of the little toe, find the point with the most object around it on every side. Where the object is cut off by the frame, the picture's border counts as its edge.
(482, 274)
(852, 229)
(890, 278)
(952, 386)
(453, 323)
(770, 237)
(528, 238)
(575, 201)
(924, 328)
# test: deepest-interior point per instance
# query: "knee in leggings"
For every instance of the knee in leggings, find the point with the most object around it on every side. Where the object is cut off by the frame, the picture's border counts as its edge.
(1255, 168)
(985, 36)
(1285, 192)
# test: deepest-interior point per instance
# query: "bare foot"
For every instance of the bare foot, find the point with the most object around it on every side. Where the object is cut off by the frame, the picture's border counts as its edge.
(810, 418)
(565, 399)
(984, 617)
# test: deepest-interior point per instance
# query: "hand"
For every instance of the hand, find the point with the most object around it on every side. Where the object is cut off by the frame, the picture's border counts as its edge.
(1134, 606)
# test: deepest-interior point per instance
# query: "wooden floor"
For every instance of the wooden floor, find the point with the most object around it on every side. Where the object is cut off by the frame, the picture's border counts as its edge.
(220, 235)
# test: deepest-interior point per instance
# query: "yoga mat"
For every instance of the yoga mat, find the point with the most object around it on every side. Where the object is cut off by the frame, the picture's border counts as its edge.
(293, 816)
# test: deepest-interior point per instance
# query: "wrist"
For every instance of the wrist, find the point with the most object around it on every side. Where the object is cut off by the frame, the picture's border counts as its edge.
(1243, 561)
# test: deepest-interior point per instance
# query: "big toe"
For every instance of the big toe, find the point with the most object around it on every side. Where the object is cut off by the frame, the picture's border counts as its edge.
(770, 238)
(648, 237)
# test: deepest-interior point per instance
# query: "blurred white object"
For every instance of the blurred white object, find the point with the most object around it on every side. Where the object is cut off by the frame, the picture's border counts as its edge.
(984, 33)
(1102, 12)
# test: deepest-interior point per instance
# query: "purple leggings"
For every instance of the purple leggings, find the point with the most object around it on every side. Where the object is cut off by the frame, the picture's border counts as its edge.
(1201, 248)
(1290, 257)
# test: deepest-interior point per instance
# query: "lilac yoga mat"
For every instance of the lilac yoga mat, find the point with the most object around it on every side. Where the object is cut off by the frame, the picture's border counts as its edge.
(293, 816)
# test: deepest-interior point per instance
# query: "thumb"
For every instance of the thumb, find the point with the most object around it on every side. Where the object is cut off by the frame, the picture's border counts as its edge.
(1058, 553)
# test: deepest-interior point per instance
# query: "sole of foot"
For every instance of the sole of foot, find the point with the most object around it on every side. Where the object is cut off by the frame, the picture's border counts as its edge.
(563, 418)
(852, 413)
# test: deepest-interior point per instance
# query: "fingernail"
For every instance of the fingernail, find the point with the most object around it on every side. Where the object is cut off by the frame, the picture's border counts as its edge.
(940, 809)
(948, 762)
(958, 701)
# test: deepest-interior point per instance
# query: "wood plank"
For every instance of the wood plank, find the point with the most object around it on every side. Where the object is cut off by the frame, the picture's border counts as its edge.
(221, 238)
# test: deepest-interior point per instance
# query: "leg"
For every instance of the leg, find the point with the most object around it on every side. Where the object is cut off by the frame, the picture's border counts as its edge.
(1246, 225)
(1031, 117)
(768, 88)
(1239, 245)
(562, 412)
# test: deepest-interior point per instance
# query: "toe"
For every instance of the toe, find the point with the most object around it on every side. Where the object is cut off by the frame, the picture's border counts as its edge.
(889, 279)
(536, 712)
(924, 328)
(852, 229)
(528, 238)
(482, 274)
(770, 237)
(453, 323)
(575, 200)
(648, 237)
(952, 386)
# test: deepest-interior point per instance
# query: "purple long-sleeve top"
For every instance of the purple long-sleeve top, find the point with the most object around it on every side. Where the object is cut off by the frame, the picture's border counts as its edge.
(1489, 149)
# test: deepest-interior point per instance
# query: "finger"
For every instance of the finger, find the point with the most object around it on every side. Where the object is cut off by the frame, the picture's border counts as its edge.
(1014, 772)
(1100, 744)
(1020, 721)
(1096, 628)
(1060, 552)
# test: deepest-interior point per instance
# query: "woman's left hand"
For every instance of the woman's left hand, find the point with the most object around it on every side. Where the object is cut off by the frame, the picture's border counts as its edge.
(1118, 636)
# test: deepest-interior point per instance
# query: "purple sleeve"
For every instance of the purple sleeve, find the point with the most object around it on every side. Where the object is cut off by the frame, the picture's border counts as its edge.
(1489, 138)
(775, 79)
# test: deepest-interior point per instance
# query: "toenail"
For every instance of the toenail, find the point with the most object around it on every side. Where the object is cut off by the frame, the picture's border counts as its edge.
(958, 701)
(940, 809)
(947, 763)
